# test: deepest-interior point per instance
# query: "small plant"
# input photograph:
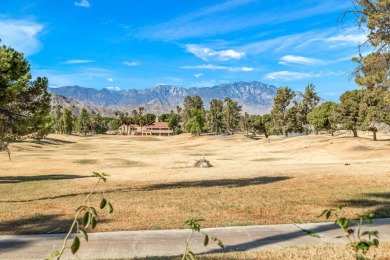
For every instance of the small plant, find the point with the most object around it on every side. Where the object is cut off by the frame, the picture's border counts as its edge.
(194, 225)
(360, 242)
(88, 219)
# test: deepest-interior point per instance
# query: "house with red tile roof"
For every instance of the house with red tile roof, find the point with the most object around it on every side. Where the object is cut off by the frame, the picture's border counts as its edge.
(154, 128)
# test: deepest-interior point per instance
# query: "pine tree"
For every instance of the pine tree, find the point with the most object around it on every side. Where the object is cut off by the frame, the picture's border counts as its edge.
(279, 114)
(24, 104)
(83, 122)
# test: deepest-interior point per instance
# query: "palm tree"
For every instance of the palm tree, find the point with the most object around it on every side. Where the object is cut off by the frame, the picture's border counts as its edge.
(140, 110)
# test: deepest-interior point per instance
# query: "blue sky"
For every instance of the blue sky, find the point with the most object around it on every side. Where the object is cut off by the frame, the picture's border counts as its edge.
(122, 44)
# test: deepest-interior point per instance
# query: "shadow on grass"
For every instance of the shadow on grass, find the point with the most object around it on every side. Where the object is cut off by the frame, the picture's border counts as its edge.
(51, 141)
(380, 202)
(17, 179)
(41, 224)
(230, 183)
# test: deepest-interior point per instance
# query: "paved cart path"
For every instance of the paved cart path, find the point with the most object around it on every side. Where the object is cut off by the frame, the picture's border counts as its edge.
(127, 244)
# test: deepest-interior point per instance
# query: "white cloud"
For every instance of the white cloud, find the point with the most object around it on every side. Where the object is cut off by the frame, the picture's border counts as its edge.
(290, 75)
(110, 80)
(78, 61)
(216, 67)
(113, 88)
(357, 38)
(207, 54)
(299, 60)
(247, 69)
(131, 63)
(21, 35)
(83, 3)
(197, 75)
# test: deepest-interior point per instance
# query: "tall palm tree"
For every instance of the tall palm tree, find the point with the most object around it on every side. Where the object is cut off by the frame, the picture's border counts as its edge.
(140, 110)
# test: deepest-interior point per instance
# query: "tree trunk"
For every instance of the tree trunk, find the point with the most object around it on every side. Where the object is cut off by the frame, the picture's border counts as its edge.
(266, 135)
(374, 135)
(355, 133)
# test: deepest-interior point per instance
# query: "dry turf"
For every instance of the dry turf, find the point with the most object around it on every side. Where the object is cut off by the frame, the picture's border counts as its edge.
(154, 186)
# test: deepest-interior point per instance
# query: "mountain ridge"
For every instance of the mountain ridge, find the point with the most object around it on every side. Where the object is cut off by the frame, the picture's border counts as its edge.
(255, 97)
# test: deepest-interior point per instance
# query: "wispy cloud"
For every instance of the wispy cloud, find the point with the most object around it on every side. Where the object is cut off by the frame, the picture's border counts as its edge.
(131, 63)
(299, 60)
(78, 61)
(290, 75)
(313, 41)
(110, 80)
(83, 3)
(197, 75)
(207, 54)
(217, 67)
(21, 35)
(356, 38)
(215, 20)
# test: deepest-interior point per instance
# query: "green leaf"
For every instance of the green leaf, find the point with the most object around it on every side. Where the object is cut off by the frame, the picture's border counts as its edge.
(110, 208)
(85, 219)
(206, 240)
(191, 255)
(363, 245)
(219, 242)
(328, 214)
(93, 211)
(323, 212)
(75, 245)
(375, 242)
(84, 234)
(103, 203)
(93, 222)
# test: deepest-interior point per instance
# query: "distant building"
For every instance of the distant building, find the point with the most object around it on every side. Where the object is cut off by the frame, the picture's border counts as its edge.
(154, 128)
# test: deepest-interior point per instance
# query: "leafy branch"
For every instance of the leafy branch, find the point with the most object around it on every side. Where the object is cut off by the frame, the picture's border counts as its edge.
(88, 219)
(194, 225)
(357, 239)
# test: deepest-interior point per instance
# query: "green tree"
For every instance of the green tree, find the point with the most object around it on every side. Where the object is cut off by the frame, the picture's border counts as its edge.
(24, 104)
(193, 115)
(232, 115)
(349, 110)
(173, 123)
(83, 122)
(140, 111)
(215, 116)
(294, 123)
(373, 70)
(67, 122)
(373, 112)
(323, 117)
(196, 124)
(279, 114)
(310, 100)
(56, 118)
(164, 117)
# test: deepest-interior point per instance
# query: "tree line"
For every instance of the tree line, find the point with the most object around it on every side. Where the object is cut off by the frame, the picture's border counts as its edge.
(25, 103)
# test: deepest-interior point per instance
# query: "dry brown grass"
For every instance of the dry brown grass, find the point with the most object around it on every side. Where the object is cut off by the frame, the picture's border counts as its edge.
(325, 252)
(153, 184)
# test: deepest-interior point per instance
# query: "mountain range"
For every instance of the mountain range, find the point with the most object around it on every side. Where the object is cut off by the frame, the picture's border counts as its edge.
(255, 97)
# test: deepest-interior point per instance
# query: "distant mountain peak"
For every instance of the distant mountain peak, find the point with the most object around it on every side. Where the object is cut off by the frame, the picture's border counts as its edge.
(255, 97)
